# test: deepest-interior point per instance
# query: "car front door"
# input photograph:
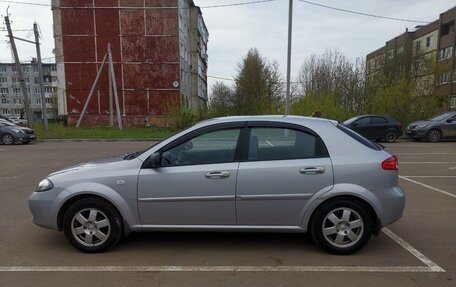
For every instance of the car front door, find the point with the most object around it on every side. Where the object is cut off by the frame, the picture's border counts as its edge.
(284, 167)
(363, 127)
(449, 127)
(195, 182)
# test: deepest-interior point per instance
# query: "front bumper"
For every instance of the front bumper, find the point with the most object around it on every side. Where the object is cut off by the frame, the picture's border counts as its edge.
(416, 133)
(45, 206)
(22, 138)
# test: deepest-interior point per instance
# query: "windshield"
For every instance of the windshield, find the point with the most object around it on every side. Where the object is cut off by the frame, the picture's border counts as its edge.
(440, 117)
(138, 153)
(5, 123)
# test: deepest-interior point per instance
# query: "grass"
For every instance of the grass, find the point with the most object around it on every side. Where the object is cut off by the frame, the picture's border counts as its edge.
(58, 131)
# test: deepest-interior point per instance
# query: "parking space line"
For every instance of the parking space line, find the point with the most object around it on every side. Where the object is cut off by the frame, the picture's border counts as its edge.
(413, 251)
(430, 266)
(428, 186)
(430, 176)
(422, 153)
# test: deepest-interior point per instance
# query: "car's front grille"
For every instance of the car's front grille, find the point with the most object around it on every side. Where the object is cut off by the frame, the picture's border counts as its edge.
(30, 132)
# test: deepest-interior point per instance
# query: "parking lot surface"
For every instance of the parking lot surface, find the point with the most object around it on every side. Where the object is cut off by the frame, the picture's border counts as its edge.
(419, 250)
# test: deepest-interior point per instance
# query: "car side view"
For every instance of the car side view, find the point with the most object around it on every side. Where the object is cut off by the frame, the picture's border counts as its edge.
(376, 127)
(435, 129)
(11, 133)
(250, 173)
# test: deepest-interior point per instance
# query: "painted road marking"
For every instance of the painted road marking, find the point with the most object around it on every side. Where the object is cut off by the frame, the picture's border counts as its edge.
(430, 176)
(454, 167)
(420, 153)
(428, 186)
(430, 266)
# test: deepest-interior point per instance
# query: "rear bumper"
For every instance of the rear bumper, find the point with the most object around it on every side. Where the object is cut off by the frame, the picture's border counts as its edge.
(391, 204)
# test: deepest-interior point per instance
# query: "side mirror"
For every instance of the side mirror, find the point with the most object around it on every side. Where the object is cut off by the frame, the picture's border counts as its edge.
(188, 145)
(154, 160)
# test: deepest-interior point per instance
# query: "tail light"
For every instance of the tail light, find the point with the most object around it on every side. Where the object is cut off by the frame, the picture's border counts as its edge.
(399, 125)
(390, 163)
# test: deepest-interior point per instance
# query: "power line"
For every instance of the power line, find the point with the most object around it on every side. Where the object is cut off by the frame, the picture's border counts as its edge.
(362, 13)
(202, 7)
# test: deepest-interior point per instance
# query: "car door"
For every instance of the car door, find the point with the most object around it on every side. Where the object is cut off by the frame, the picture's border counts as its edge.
(449, 127)
(379, 127)
(195, 182)
(283, 168)
(363, 127)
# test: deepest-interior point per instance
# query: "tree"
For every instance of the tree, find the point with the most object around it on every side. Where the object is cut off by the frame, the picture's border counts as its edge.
(221, 100)
(258, 86)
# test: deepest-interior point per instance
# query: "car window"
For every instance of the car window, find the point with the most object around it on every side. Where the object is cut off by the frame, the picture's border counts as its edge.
(271, 143)
(379, 120)
(363, 121)
(208, 148)
(359, 138)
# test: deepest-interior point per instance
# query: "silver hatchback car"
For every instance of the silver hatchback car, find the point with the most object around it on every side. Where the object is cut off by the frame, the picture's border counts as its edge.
(262, 173)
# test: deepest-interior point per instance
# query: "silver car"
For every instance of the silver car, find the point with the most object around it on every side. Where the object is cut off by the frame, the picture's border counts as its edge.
(264, 173)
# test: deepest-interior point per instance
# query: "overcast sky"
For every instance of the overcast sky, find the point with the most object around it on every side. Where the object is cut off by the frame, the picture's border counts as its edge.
(234, 30)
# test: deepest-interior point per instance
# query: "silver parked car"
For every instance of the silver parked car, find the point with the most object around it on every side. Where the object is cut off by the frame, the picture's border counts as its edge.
(264, 173)
(435, 129)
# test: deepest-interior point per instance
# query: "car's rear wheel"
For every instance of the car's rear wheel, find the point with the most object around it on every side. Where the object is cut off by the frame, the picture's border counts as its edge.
(434, 135)
(391, 136)
(92, 225)
(8, 138)
(342, 226)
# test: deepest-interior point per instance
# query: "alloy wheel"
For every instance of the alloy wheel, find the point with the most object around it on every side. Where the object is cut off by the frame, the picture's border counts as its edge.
(8, 139)
(343, 227)
(434, 136)
(90, 227)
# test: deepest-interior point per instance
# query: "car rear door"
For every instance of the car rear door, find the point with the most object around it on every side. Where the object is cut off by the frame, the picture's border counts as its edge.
(195, 184)
(363, 126)
(285, 165)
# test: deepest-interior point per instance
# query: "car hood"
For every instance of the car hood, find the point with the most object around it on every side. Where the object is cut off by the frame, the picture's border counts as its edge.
(86, 166)
(420, 122)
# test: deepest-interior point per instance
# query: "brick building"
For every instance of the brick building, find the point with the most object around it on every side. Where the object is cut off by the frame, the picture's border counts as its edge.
(159, 52)
(413, 50)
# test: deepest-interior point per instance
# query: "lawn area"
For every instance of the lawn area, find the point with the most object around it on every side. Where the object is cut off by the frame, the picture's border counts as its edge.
(58, 131)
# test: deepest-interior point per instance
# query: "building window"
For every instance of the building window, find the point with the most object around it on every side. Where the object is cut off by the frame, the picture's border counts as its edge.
(4, 101)
(53, 68)
(48, 100)
(445, 53)
(2, 69)
(418, 46)
(16, 90)
(5, 111)
(400, 49)
(35, 69)
(390, 54)
(17, 111)
(38, 101)
(3, 80)
(4, 91)
(444, 78)
(37, 91)
(453, 102)
(429, 41)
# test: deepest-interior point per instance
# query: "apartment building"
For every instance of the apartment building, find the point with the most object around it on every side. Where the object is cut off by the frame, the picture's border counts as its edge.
(11, 97)
(427, 53)
(159, 50)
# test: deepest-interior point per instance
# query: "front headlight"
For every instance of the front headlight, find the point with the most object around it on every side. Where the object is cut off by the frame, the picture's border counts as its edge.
(18, 131)
(44, 185)
(421, 126)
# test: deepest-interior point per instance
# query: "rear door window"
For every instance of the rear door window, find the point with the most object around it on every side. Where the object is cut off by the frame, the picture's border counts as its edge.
(379, 120)
(276, 143)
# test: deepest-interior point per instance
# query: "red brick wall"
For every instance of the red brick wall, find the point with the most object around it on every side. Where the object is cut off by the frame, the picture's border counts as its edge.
(145, 47)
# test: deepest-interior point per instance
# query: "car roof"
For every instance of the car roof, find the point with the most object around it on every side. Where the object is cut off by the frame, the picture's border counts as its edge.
(271, 118)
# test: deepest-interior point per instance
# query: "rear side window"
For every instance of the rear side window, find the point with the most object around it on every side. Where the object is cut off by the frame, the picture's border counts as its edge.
(358, 138)
(275, 143)
(379, 120)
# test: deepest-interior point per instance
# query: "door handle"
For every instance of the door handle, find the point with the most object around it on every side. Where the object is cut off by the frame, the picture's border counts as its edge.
(217, 174)
(312, 170)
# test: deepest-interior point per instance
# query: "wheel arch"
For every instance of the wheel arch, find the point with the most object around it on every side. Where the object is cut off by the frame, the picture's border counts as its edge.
(71, 200)
(353, 197)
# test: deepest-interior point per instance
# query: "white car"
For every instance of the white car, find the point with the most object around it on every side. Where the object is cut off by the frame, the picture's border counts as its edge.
(18, 121)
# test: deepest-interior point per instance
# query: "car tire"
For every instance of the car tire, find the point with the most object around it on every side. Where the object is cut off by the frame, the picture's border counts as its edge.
(391, 136)
(92, 225)
(434, 135)
(342, 226)
(8, 139)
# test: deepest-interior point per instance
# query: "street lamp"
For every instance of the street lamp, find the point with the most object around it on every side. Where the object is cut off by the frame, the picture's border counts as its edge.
(290, 28)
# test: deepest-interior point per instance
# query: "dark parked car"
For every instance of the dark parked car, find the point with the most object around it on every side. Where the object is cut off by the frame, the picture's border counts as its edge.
(375, 127)
(11, 133)
(442, 126)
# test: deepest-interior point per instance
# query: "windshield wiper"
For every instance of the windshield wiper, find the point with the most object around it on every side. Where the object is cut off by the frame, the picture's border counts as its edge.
(133, 155)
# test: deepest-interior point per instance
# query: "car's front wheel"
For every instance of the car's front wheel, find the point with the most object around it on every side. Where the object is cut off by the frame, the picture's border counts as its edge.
(342, 226)
(92, 225)
(8, 138)
(434, 135)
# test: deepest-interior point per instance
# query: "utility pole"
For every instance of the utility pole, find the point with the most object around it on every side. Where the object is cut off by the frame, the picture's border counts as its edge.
(40, 72)
(28, 112)
(290, 28)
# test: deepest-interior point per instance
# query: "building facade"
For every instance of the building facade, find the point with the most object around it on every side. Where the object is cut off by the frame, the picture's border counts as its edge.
(11, 97)
(428, 54)
(154, 47)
